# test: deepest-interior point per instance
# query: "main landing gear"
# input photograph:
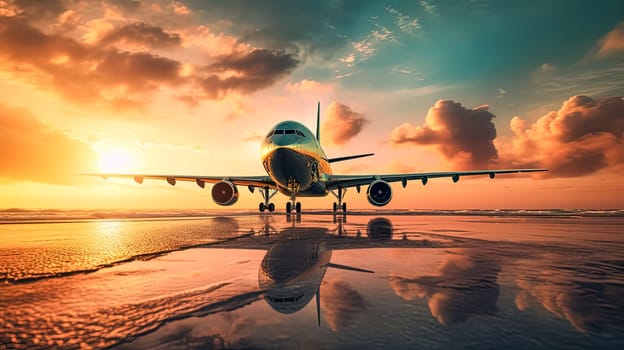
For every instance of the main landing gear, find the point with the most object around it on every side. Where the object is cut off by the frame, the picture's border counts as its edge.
(293, 187)
(266, 197)
(340, 205)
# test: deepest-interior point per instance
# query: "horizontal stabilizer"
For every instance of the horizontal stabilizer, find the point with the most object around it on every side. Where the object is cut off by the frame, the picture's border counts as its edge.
(340, 159)
(345, 267)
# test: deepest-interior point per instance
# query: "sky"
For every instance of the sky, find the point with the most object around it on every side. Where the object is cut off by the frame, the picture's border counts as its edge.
(191, 87)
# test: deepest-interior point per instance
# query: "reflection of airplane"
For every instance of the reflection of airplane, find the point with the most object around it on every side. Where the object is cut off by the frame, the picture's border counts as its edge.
(293, 268)
(297, 166)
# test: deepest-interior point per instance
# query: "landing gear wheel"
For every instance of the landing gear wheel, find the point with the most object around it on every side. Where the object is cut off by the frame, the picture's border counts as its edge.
(271, 207)
(335, 207)
(344, 207)
(261, 207)
(288, 207)
(298, 207)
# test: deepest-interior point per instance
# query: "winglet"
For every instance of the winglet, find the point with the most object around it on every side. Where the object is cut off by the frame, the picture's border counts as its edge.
(318, 122)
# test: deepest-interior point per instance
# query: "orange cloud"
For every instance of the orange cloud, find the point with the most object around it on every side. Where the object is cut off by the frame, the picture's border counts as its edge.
(142, 34)
(309, 87)
(38, 9)
(97, 71)
(612, 43)
(341, 303)
(582, 137)
(82, 73)
(464, 136)
(465, 285)
(32, 151)
(341, 124)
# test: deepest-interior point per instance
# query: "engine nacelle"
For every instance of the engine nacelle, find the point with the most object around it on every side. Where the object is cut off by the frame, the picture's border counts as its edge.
(224, 193)
(379, 193)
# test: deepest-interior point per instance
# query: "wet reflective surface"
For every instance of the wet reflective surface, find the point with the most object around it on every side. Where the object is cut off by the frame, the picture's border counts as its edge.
(250, 281)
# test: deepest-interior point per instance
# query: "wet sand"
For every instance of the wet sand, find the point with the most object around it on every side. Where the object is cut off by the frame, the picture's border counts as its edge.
(251, 281)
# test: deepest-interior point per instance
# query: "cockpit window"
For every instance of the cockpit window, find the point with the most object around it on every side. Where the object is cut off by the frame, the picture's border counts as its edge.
(286, 132)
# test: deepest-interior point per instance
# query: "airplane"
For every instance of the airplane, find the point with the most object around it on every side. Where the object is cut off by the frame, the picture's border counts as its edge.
(297, 166)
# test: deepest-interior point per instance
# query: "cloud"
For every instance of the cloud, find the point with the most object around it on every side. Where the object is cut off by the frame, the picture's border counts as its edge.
(39, 10)
(367, 46)
(246, 72)
(591, 80)
(582, 137)
(405, 23)
(341, 124)
(341, 304)
(141, 33)
(309, 87)
(501, 93)
(32, 151)
(464, 286)
(280, 24)
(180, 8)
(464, 136)
(82, 73)
(429, 7)
(96, 72)
(611, 44)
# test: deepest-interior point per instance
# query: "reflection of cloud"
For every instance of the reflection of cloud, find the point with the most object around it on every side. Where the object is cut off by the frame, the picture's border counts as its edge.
(340, 303)
(341, 124)
(29, 150)
(464, 286)
(464, 136)
(589, 306)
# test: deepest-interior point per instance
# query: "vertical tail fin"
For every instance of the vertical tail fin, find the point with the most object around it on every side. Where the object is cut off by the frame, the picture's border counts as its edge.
(318, 122)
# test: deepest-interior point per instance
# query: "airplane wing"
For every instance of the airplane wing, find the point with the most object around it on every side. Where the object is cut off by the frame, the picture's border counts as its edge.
(255, 181)
(344, 181)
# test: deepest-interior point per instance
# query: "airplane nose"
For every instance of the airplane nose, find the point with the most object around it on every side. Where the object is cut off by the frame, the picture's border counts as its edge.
(283, 140)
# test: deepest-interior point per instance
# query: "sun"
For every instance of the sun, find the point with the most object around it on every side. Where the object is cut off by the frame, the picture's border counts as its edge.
(114, 161)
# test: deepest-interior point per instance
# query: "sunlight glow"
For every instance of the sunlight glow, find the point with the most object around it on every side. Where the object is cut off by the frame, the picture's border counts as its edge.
(115, 161)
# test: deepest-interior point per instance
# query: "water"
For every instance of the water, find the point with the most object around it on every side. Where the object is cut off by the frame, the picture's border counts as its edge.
(515, 280)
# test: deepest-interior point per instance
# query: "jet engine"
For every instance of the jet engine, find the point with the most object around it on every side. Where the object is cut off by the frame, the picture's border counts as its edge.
(224, 193)
(379, 193)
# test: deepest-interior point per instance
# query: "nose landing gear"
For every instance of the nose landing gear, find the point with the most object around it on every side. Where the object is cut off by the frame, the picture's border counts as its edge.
(293, 187)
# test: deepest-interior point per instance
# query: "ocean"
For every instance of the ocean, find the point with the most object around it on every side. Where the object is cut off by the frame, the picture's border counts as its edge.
(470, 279)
